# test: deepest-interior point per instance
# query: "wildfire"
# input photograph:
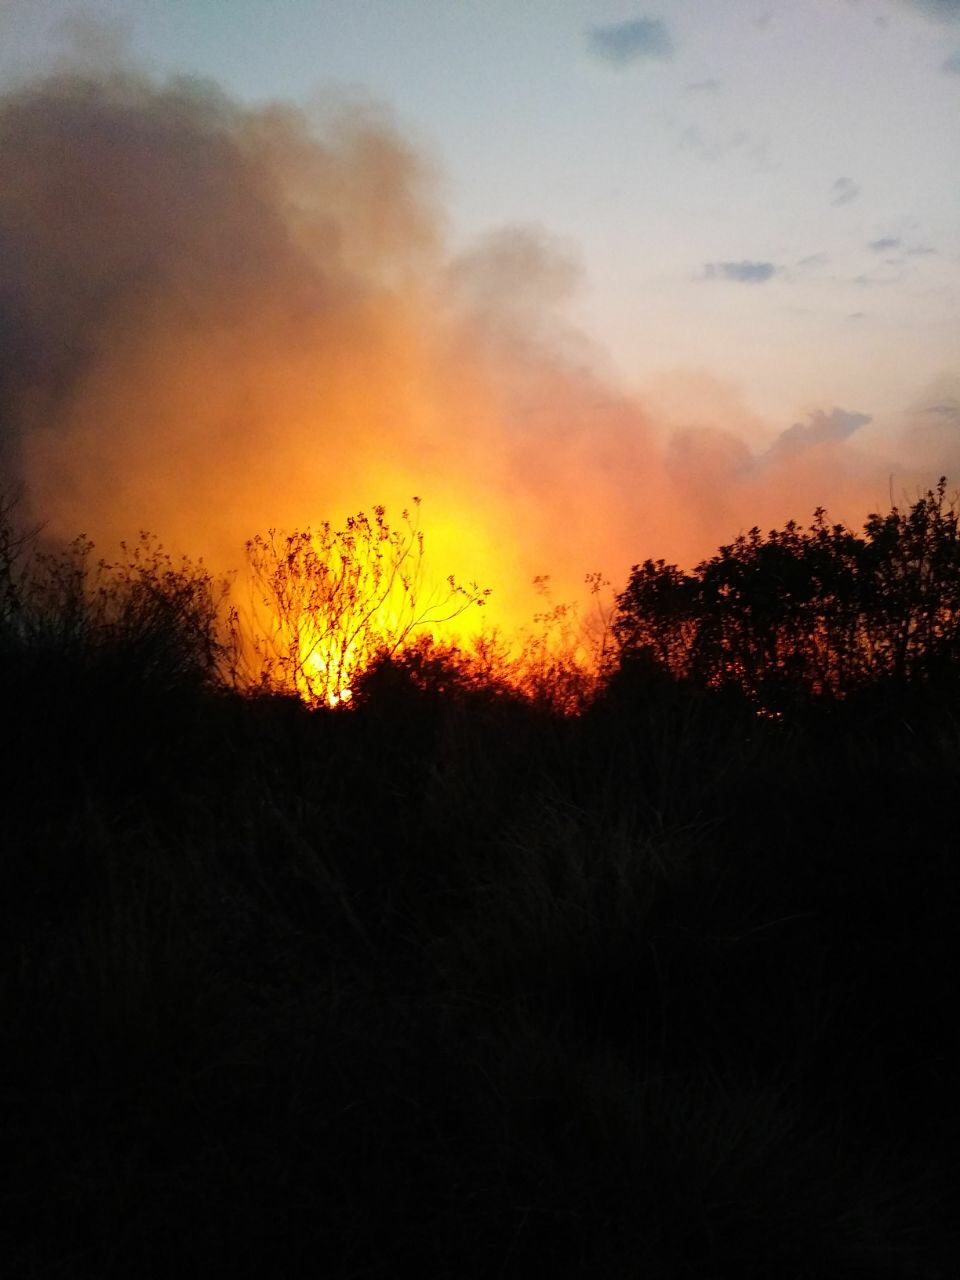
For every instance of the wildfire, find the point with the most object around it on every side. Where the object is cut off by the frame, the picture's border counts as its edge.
(332, 600)
(320, 678)
(329, 604)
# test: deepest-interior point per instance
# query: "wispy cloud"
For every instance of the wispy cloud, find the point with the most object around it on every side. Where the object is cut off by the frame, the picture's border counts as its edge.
(949, 409)
(709, 86)
(951, 66)
(843, 191)
(885, 244)
(882, 281)
(622, 43)
(712, 144)
(745, 272)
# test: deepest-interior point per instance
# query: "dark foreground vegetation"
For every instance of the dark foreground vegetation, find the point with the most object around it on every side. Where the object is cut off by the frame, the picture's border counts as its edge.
(455, 983)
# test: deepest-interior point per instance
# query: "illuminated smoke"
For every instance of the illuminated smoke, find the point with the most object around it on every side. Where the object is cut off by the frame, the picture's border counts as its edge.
(214, 319)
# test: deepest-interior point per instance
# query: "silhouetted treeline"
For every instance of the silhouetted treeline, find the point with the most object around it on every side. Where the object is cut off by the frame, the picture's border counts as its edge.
(452, 983)
(805, 612)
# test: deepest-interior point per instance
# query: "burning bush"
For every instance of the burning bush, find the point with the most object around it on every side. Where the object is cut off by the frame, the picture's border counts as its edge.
(331, 601)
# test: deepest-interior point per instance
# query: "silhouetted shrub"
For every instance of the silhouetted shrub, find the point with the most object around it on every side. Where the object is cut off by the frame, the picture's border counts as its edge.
(145, 617)
(806, 612)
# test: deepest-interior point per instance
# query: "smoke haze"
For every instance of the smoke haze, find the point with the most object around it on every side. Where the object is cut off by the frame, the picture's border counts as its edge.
(215, 319)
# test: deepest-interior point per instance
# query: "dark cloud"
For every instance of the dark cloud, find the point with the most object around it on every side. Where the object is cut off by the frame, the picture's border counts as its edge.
(885, 244)
(623, 43)
(710, 86)
(939, 10)
(745, 272)
(821, 428)
(951, 65)
(843, 191)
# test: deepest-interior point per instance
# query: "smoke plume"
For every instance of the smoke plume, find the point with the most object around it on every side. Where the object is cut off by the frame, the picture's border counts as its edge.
(215, 319)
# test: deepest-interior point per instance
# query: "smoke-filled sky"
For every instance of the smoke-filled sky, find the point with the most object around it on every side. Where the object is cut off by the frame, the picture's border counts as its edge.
(599, 281)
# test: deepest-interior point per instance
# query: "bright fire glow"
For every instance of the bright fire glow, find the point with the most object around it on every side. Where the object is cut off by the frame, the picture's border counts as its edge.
(257, 321)
(330, 602)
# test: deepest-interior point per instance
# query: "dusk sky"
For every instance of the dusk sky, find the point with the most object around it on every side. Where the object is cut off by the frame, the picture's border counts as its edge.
(751, 207)
(767, 191)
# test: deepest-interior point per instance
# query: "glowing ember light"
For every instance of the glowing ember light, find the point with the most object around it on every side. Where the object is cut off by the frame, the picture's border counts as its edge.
(317, 672)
